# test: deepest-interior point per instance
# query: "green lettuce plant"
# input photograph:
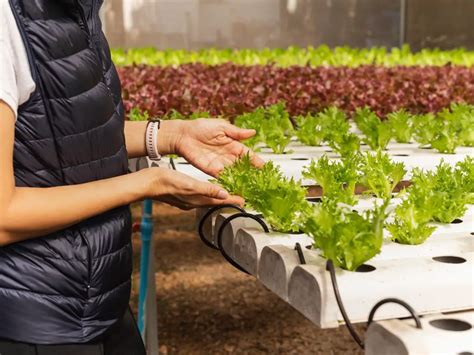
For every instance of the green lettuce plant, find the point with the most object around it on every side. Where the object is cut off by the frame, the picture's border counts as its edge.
(337, 179)
(347, 238)
(376, 133)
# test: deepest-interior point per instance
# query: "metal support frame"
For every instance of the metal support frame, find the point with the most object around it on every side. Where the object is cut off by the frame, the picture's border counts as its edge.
(403, 15)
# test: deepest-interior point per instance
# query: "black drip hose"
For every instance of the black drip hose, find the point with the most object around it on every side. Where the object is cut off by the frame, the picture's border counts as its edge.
(221, 232)
(402, 303)
(349, 325)
(300, 253)
(208, 214)
(173, 166)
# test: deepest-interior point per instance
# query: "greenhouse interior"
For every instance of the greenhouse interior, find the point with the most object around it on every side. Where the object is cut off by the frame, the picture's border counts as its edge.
(236, 177)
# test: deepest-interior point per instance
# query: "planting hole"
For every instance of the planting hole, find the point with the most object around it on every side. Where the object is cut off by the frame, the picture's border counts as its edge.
(452, 324)
(399, 155)
(466, 353)
(309, 247)
(365, 268)
(472, 233)
(294, 233)
(456, 221)
(449, 259)
(328, 151)
(314, 199)
(427, 148)
(299, 159)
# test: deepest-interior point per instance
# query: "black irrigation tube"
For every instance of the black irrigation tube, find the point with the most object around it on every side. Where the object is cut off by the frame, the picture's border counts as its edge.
(173, 166)
(409, 308)
(220, 233)
(208, 214)
(350, 327)
(299, 250)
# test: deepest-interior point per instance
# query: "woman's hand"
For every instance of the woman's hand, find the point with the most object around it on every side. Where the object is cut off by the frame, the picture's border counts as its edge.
(180, 190)
(212, 144)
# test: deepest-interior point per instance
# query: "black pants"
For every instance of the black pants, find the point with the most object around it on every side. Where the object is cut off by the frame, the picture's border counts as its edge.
(122, 339)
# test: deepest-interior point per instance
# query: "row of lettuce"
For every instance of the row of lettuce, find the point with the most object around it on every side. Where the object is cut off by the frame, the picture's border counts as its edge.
(231, 90)
(443, 131)
(312, 56)
(342, 234)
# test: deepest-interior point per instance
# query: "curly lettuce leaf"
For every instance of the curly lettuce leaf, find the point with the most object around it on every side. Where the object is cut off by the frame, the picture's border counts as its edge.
(336, 178)
(281, 201)
(272, 124)
(447, 193)
(411, 219)
(377, 133)
(344, 236)
(401, 125)
(424, 128)
(309, 130)
(380, 175)
(136, 114)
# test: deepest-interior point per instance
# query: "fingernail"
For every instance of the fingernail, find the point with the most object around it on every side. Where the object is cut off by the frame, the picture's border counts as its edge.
(222, 194)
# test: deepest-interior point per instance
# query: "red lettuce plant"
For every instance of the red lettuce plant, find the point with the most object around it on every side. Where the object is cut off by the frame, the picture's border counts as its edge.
(229, 90)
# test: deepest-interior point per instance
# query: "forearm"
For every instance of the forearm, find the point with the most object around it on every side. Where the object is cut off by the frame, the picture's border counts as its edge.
(34, 212)
(168, 135)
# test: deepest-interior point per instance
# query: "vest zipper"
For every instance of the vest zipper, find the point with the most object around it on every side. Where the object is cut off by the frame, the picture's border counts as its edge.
(92, 44)
(89, 262)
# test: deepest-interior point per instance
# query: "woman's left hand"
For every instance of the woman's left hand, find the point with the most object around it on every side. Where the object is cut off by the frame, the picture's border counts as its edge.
(212, 144)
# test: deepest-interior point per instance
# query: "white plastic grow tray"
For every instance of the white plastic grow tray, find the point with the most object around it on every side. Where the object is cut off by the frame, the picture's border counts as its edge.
(448, 334)
(400, 271)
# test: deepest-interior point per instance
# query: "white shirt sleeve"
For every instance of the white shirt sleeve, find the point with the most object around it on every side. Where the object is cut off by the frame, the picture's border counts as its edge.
(16, 82)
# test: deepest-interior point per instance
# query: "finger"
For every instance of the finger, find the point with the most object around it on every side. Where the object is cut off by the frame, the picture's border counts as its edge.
(206, 189)
(201, 201)
(237, 133)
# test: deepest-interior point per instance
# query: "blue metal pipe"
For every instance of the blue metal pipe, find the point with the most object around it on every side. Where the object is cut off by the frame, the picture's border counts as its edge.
(146, 233)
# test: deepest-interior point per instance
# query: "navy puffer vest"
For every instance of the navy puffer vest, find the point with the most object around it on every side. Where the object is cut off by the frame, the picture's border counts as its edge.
(72, 285)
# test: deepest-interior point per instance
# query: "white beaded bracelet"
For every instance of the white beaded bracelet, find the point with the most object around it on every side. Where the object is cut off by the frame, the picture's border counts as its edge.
(151, 139)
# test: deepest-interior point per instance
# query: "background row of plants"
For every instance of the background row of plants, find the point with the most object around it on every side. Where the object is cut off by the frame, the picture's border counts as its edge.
(342, 234)
(319, 56)
(444, 131)
(229, 90)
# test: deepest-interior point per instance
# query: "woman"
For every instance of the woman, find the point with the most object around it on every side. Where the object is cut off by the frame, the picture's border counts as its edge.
(65, 252)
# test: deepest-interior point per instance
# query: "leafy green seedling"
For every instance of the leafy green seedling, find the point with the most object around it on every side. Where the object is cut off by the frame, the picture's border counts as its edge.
(376, 133)
(401, 125)
(380, 175)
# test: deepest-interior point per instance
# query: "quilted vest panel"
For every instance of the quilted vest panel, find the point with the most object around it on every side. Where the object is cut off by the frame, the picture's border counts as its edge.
(72, 285)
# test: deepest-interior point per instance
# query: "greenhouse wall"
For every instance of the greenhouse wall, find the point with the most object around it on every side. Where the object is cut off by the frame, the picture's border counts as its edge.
(195, 24)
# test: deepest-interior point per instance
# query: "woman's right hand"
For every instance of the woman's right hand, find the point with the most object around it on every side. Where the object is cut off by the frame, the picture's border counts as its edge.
(183, 191)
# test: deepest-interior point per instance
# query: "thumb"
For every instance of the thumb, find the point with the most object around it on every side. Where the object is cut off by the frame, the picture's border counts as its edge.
(239, 133)
(212, 191)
